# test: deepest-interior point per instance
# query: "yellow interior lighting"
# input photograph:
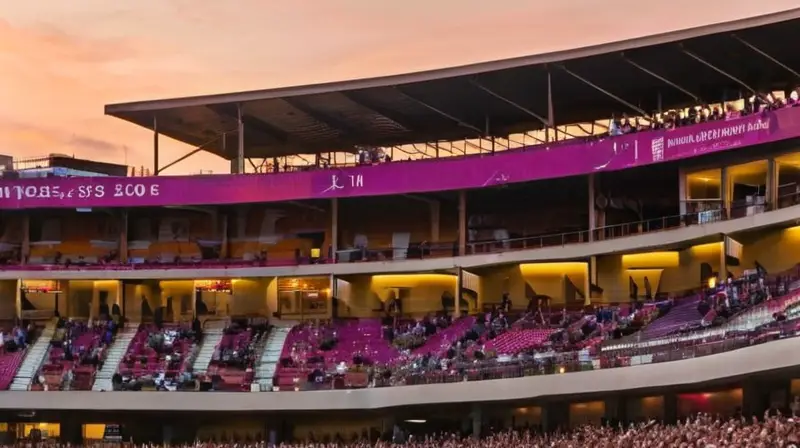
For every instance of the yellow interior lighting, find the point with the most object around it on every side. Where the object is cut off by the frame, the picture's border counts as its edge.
(706, 249)
(549, 269)
(649, 260)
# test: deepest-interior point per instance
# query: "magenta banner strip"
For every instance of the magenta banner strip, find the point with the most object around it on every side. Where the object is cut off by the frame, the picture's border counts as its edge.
(523, 165)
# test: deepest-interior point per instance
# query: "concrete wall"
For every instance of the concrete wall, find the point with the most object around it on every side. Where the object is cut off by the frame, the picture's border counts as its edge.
(666, 274)
(544, 278)
(424, 292)
(250, 297)
(8, 299)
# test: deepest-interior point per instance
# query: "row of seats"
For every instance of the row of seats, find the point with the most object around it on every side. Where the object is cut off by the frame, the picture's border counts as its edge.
(76, 351)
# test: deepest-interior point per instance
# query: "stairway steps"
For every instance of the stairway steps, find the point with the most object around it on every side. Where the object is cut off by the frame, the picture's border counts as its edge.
(268, 361)
(114, 356)
(34, 358)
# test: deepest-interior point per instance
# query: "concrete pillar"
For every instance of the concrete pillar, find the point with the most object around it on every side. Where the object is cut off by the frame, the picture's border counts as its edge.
(555, 415)
(435, 209)
(477, 420)
(592, 208)
(156, 164)
(725, 191)
(123, 237)
(462, 223)
(459, 288)
(670, 408)
(723, 262)
(18, 298)
(26, 238)
(334, 228)
(773, 181)
(682, 192)
(224, 250)
(587, 284)
(616, 410)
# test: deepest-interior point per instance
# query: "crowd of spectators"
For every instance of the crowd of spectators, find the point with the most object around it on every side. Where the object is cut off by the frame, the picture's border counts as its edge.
(773, 430)
(702, 113)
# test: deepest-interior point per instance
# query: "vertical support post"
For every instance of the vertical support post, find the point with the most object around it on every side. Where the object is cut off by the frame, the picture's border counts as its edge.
(224, 251)
(435, 210)
(240, 151)
(723, 261)
(123, 237)
(334, 228)
(725, 192)
(592, 274)
(587, 284)
(26, 239)
(462, 223)
(592, 209)
(18, 300)
(773, 179)
(459, 289)
(155, 146)
(477, 420)
(659, 103)
(551, 119)
(683, 194)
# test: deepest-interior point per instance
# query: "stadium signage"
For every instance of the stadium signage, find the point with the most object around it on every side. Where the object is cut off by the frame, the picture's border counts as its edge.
(522, 165)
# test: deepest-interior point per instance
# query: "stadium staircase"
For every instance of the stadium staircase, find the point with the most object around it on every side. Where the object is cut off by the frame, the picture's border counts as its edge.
(117, 350)
(34, 358)
(271, 356)
(212, 335)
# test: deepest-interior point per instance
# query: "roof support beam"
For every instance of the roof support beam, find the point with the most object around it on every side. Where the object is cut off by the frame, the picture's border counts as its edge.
(496, 95)
(451, 117)
(662, 79)
(380, 110)
(717, 69)
(766, 55)
(253, 123)
(604, 91)
(192, 152)
(321, 117)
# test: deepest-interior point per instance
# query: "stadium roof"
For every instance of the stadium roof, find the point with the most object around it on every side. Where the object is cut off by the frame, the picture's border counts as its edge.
(705, 64)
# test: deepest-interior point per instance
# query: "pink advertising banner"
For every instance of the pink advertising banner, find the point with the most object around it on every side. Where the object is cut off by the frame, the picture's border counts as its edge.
(523, 165)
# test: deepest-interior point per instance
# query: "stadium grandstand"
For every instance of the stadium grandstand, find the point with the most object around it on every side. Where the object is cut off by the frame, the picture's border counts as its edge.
(592, 247)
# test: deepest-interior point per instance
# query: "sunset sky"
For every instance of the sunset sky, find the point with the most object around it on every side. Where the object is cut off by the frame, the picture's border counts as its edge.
(62, 61)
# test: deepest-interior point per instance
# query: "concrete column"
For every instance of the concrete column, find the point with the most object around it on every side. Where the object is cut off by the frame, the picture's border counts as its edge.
(156, 167)
(123, 237)
(26, 239)
(224, 250)
(477, 420)
(587, 284)
(240, 149)
(334, 228)
(459, 288)
(670, 408)
(682, 192)
(773, 181)
(725, 192)
(435, 208)
(723, 262)
(18, 300)
(615, 410)
(592, 209)
(462, 222)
